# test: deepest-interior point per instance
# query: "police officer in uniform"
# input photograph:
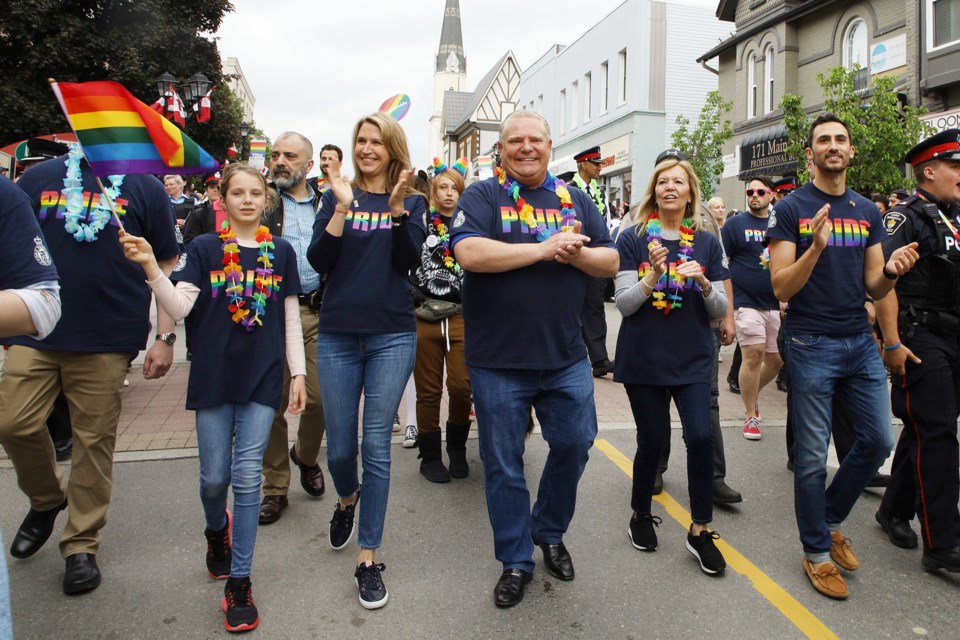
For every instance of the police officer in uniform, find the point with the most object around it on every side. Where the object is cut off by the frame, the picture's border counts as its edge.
(920, 322)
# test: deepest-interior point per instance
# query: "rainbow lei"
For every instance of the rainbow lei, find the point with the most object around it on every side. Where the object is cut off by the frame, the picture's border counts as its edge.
(663, 299)
(765, 259)
(525, 211)
(233, 273)
(443, 235)
(75, 204)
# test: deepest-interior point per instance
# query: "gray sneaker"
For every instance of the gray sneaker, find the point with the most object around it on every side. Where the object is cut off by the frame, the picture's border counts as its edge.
(410, 437)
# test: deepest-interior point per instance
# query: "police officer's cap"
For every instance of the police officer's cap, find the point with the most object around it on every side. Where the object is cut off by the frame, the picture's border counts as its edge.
(589, 155)
(785, 185)
(942, 146)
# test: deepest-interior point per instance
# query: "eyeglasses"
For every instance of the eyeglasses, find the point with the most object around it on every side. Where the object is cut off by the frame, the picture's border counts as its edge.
(759, 192)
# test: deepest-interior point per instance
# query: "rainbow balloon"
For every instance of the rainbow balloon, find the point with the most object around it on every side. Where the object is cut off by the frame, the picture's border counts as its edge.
(396, 106)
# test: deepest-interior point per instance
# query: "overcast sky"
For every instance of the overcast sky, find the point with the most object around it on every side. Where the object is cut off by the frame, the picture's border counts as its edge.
(316, 66)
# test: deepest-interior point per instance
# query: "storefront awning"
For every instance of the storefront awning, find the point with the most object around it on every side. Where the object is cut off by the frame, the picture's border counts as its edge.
(764, 153)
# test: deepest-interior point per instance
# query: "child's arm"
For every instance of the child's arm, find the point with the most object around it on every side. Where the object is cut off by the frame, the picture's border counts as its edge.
(177, 302)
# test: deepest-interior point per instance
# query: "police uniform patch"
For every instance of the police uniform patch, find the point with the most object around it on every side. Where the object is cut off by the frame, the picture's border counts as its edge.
(181, 262)
(772, 221)
(459, 219)
(892, 221)
(40, 253)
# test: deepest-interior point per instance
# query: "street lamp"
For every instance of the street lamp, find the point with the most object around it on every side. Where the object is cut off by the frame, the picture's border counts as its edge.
(244, 129)
(194, 89)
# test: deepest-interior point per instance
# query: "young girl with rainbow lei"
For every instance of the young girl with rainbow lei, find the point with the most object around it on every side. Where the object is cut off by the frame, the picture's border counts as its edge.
(240, 289)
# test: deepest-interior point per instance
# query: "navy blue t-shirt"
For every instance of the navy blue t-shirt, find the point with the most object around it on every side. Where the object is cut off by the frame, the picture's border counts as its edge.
(364, 291)
(527, 318)
(743, 241)
(25, 260)
(105, 301)
(831, 302)
(667, 349)
(230, 364)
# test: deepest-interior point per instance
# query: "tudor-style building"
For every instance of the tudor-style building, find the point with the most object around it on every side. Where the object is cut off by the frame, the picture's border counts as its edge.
(779, 46)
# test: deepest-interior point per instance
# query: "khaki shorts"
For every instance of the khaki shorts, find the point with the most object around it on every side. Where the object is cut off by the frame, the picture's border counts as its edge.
(756, 326)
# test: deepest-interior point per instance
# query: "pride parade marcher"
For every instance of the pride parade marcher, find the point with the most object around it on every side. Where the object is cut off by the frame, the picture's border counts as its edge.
(365, 241)
(527, 244)
(669, 287)
(438, 281)
(824, 265)
(240, 289)
(920, 323)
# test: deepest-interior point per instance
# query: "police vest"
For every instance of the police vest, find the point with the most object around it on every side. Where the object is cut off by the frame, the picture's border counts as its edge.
(934, 283)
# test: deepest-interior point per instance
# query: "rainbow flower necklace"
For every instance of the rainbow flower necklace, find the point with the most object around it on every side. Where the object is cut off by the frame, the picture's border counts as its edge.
(75, 204)
(263, 283)
(443, 235)
(663, 299)
(525, 211)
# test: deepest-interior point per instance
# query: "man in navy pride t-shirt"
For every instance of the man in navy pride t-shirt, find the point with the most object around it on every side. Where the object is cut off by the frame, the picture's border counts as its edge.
(825, 257)
(757, 315)
(526, 257)
(106, 321)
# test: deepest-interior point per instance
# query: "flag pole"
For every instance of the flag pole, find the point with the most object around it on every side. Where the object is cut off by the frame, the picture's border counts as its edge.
(103, 191)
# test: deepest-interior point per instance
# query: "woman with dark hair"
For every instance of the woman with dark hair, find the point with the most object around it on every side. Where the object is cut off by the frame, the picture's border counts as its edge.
(365, 241)
(437, 282)
(669, 286)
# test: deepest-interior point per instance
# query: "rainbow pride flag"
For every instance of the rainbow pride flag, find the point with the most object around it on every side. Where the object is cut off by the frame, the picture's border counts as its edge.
(120, 134)
(258, 146)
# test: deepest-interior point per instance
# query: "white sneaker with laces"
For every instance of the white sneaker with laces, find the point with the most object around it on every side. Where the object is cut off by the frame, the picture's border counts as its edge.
(410, 437)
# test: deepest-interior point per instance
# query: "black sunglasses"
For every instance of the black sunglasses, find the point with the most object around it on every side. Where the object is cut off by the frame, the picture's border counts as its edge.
(759, 192)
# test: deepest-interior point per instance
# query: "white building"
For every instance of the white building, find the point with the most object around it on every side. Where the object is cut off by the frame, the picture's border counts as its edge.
(233, 75)
(621, 85)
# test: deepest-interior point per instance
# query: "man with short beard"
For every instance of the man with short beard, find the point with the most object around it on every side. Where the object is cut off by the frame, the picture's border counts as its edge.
(331, 156)
(291, 215)
(824, 265)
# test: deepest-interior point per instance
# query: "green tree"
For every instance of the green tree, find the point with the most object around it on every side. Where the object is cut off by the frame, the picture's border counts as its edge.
(704, 145)
(129, 41)
(881, 130)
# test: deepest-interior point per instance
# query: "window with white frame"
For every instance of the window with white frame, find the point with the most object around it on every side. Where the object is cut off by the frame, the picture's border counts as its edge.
(573, 105)
(563, 109)
(855, 45)
(752, 86)
(622, 89)
(587, 82)
(604, 86)
(768, 69)
(943, 23)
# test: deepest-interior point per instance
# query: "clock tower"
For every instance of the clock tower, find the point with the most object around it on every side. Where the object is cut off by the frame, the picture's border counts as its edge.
(450, 72)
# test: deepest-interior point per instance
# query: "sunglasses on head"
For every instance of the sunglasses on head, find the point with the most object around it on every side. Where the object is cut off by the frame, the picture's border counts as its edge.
(759, 192)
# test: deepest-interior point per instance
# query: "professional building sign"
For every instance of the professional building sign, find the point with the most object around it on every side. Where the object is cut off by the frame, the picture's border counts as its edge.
(888, 54)
(943, 120)
(764, 154)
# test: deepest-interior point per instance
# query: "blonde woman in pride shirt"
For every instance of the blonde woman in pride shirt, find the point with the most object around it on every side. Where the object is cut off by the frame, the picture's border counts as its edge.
(365, 240)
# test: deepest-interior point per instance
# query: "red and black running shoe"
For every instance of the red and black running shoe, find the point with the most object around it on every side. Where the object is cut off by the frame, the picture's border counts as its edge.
(237, 603)
(219, 552)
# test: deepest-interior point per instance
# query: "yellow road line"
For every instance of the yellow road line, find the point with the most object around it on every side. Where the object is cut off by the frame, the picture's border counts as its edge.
(800, 616)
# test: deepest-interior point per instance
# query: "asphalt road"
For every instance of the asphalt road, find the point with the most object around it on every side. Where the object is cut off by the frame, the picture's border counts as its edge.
(441, 570)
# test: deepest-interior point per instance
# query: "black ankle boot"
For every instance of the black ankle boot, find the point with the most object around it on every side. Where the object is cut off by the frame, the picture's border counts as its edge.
(457, 449)
(431, 463)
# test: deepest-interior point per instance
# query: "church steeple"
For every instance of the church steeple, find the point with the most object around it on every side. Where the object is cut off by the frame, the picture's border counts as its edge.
(450, 58)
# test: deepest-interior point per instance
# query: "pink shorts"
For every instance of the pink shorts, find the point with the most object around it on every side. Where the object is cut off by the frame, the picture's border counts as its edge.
(757, 327)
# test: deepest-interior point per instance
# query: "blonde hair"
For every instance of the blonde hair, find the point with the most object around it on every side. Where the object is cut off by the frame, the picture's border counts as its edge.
(455, 178)
(640, 212)
(236, 168)
(394, 141)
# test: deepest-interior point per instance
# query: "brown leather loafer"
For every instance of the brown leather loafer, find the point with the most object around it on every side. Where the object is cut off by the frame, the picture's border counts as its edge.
(271, 507)
(311, 478)
(842, 553)
(826, 579)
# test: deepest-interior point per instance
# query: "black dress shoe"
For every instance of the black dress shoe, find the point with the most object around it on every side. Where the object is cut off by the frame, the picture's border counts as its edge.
(34, 531)
(271, 508)
(509, 589)
(948, 559)
(734, 386)
(556, 559)
(658, 484)
(82, 574)
(724, 494)
(879, 480)
(311, 477)
(897, 529)
(602, 368)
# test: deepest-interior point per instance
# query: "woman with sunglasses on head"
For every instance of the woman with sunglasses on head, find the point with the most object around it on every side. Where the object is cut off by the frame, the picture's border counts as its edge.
(437, 282)
(669, 286)
(365, 241)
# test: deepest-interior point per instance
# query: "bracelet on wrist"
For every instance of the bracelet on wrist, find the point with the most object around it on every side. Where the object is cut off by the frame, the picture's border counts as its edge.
(342, 208)
(888, 275)
(893, 347)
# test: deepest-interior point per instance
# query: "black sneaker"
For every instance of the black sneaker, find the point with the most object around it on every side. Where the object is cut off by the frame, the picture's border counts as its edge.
(237, 603)
(342, 524)
(706, 553)
(641, 531)
(373, 593)
(219, 551)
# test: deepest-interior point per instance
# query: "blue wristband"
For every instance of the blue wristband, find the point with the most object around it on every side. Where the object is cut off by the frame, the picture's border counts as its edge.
(892, 347)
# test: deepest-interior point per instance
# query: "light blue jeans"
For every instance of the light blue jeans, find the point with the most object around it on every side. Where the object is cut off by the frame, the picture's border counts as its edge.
(232, 439)
(378, 366)
(821, 366)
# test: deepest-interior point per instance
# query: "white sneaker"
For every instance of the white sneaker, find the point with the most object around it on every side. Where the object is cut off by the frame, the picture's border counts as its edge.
(410, 437)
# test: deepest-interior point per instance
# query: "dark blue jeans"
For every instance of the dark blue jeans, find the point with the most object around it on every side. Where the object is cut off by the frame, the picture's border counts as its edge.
(821, 366)
(563, 400)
